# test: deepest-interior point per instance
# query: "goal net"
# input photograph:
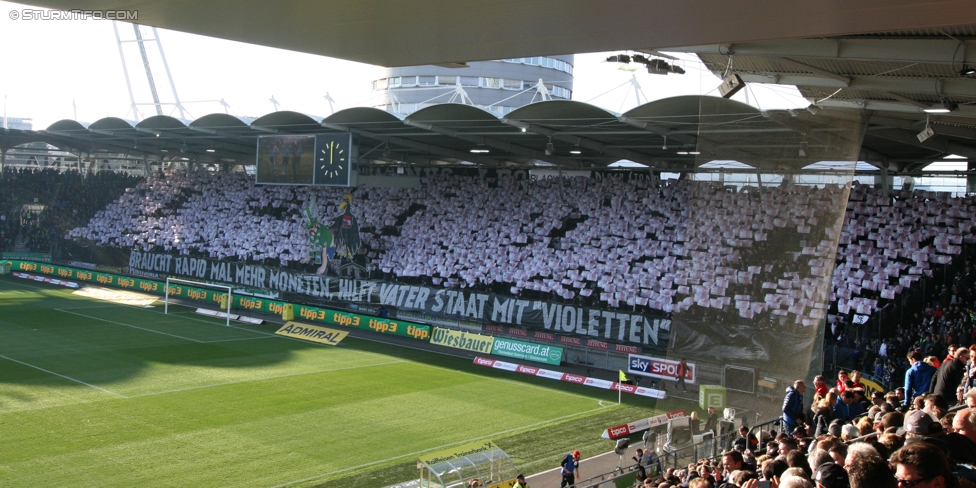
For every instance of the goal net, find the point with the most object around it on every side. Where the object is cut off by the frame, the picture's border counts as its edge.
(196, 290)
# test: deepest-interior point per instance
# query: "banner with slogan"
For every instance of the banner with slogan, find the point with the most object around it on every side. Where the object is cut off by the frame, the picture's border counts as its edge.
(312, 333)
(460, 339)
(364, 322)
(346, 319)
(528, 351)
(659, 368)
(41, 257)
(649, 331)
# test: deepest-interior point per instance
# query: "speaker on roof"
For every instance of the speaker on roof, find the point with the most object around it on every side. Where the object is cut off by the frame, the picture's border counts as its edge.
(731, 85)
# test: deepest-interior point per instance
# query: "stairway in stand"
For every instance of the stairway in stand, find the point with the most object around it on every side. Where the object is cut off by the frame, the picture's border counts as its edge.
(19, 243)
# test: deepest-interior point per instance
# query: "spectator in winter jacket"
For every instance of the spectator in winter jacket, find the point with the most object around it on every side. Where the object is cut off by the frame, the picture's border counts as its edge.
(793, 405)
(918, 377)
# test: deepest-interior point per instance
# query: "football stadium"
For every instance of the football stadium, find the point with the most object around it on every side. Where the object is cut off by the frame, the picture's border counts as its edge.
(481, 278)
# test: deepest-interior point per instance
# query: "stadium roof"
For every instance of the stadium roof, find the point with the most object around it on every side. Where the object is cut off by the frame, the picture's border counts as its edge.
(389, 33)
(888, 60)
(674, 134)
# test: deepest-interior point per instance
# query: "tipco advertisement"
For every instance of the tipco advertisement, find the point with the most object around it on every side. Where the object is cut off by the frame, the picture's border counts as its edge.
(462, 340)
(527, 351)
(624, 430)
(659, 368)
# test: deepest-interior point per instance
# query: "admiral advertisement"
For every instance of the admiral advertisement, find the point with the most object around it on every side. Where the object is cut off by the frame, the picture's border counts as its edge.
(598, 327)
(659, 368)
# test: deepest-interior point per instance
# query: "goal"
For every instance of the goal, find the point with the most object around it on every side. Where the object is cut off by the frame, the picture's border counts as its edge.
(176, 285)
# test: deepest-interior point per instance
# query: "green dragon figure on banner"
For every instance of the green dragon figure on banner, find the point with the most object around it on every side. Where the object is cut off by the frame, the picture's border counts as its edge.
(339, 239)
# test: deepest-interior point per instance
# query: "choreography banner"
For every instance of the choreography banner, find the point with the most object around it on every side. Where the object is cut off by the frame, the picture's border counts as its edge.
(598, 326)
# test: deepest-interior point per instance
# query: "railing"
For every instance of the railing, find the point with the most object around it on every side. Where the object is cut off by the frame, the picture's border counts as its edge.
(713, 449)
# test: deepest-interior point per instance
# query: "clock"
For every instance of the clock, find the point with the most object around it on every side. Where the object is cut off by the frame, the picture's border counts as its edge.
(333, 158)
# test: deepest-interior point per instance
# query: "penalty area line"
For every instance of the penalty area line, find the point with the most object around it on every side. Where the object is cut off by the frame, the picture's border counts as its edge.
(417, 453)
(63, 376)
(130, 325)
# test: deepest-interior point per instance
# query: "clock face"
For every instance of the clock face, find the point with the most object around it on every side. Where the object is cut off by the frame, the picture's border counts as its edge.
(332, 159)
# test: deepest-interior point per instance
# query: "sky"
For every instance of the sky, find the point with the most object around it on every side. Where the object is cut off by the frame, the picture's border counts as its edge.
(72, 69)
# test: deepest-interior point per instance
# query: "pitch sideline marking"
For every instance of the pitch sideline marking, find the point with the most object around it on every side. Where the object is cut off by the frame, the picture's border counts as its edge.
(63, 376)
(236, 340)
(417, 453)
(95, 306)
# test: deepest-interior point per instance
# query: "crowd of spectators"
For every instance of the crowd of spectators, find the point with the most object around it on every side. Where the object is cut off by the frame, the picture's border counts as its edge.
(849, 438)
(945, 320)
(42, 205)
(758, 254)
(228, 216)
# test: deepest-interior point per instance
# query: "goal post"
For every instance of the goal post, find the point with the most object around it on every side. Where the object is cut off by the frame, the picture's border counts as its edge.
(174, 284)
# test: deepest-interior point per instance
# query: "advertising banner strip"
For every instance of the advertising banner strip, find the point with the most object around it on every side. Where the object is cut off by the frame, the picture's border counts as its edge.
(457, 452)
(624, 430)
(570, 378)
(462, 340)
(659, 368)
(125, 282)
(346, 319)
(364, 322)
(53, 281)
(314, 333)
(528, 351)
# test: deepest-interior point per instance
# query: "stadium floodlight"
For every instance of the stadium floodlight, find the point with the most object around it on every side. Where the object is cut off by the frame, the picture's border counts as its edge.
(229, 299)
(619, 58)
(941, 108)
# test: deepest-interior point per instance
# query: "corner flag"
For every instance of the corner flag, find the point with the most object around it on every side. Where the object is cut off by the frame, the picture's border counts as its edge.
(623, 377)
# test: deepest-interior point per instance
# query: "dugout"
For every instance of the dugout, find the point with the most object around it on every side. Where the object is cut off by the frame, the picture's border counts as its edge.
(457, 467)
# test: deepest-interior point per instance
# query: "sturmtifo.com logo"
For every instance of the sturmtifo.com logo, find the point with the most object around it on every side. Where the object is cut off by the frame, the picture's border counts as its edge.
(42, 14)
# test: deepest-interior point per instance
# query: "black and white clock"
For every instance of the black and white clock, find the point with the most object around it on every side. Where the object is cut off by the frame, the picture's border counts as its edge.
(333, 159)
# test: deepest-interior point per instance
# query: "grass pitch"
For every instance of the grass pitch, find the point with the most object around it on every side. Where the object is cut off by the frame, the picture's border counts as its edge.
(99, 394)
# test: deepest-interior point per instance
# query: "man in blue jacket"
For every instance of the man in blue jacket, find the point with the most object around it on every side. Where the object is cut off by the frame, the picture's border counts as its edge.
(918, 377)
(793, 405)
